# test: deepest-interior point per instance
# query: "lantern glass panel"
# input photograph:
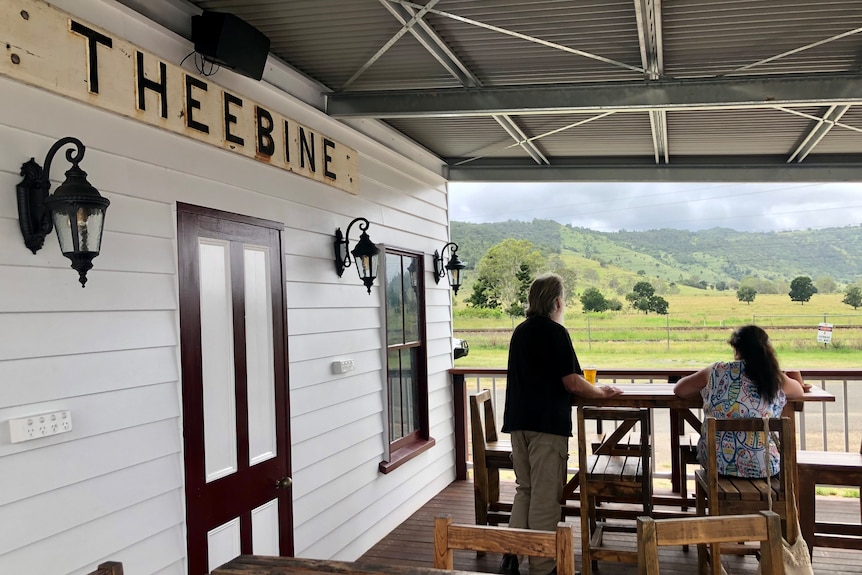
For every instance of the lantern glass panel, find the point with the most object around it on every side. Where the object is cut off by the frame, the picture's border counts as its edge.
(88, 229)
(454, 276)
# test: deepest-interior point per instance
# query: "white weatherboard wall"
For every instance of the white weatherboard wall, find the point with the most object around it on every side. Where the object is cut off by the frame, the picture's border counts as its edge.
(112, 488)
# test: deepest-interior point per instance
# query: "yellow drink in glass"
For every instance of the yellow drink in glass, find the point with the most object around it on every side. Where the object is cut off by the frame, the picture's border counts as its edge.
(590, 375)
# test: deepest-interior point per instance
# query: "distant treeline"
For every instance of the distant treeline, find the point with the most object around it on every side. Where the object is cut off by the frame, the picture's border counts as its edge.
(717, 257)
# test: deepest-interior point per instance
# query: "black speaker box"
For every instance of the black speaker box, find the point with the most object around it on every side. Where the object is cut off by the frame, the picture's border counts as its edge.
(230, 41)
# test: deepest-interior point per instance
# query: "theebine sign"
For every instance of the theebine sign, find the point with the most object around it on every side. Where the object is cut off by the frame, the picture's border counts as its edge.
(48, 48)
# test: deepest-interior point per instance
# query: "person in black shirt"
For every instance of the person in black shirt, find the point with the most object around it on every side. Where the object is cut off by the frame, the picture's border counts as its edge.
(543, 374)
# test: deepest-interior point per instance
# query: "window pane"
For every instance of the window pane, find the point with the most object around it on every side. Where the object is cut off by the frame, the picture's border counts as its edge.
(395, 419)
(394, 300)
(408, 391)
(411, 301)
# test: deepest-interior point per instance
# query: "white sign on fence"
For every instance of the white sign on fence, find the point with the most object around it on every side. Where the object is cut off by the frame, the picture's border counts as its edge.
(824, 333)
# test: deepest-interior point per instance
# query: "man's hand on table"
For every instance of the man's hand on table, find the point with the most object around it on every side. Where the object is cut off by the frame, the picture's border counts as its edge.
(609, 390)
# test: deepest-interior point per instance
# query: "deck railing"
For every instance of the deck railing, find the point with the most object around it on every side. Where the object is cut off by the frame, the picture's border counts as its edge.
(832, 426)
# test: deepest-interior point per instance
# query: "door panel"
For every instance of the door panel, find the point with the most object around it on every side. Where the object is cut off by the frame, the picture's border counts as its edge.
(235, 400)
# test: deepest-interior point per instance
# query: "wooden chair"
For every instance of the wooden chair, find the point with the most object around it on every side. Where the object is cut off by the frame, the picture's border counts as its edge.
(765, 526)
(483, 538)
(827, 468)
(725, 495)
(616, 472)
(109, 568)
(489, 456)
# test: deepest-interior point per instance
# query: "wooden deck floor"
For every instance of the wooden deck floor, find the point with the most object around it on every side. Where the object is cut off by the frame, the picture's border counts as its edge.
(412, 542)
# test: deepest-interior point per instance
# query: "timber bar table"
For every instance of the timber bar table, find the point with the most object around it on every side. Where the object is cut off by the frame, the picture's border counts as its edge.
(661, 396)
(261, 565)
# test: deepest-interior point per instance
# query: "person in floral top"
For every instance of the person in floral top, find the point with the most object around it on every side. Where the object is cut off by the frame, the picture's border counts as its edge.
(752, 385)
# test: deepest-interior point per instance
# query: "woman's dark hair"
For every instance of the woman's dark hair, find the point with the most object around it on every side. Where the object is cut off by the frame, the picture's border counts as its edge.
(761, 364)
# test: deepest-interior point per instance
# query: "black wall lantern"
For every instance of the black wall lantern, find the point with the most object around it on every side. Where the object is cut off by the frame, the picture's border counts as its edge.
(452, 269)
(76, 210)
(365, 254)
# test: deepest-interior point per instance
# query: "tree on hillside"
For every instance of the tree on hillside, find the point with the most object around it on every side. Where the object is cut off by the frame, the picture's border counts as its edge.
(801, 289)
(853, 296)
(826, 284)
(519, 307)
(483, 295)
(658, 304)
(639, 296)
(593, 300)
(570, 277)
(746, 294)
(500, 273)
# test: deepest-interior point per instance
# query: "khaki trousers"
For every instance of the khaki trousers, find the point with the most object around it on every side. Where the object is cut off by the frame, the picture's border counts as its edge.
(540, 466)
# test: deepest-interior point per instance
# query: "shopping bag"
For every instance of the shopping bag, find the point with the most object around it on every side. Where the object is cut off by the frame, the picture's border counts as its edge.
(796, 559)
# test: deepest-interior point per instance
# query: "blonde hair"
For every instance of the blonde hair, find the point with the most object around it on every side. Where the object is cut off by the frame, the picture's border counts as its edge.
(543, 294)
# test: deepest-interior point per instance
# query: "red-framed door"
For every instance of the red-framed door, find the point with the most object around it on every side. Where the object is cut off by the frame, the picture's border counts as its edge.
(234, 387)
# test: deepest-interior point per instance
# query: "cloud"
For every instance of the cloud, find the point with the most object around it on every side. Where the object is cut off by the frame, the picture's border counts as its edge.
(641, 206)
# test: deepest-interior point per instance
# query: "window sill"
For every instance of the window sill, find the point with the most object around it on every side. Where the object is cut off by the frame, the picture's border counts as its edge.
(404, 454)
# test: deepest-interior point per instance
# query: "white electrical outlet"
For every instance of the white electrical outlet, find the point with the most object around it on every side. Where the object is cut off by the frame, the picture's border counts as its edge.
(342, 366)
(42, 425)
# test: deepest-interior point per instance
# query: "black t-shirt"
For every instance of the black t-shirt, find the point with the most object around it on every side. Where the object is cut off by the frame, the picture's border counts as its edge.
(540, 355)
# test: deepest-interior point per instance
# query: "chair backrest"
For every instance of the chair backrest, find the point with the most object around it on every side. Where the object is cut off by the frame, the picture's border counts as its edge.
(109, 568)
(483, 427)
(449, 536)
(783, 490)
(482, 418)
(764, 526)
(615, 443)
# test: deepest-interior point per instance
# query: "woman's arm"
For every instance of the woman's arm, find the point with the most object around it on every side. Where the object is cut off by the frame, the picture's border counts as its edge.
(690, 385)
(792, 384)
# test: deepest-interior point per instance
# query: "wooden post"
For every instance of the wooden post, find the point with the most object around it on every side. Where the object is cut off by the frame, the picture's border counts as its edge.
(459, 400)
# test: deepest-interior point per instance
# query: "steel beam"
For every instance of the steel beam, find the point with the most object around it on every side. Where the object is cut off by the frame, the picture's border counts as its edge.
(690, 94)
(712, 169)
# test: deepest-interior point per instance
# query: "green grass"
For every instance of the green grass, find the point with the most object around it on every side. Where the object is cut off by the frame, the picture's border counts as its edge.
(837, 492)
(694, 333)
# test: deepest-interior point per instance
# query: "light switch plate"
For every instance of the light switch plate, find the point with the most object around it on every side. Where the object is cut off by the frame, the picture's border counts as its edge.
(37, 426)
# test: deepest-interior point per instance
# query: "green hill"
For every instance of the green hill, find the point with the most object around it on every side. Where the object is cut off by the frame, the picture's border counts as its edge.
(706, 257)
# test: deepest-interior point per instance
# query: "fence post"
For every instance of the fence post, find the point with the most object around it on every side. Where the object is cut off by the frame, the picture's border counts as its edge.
(667, 323)
(589, 334)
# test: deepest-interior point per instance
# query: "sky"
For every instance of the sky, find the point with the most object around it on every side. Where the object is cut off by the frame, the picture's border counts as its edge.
(610, 207)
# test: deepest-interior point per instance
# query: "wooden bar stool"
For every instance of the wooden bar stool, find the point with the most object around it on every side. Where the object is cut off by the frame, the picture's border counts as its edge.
(617, 471)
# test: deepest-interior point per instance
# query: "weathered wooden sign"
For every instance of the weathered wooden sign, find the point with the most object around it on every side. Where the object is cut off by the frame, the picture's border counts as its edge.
(51, 49)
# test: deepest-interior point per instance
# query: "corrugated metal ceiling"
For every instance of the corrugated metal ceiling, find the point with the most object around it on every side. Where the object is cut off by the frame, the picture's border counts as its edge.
(761, 60)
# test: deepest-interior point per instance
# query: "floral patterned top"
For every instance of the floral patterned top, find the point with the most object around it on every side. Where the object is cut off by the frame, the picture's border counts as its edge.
(730, 393)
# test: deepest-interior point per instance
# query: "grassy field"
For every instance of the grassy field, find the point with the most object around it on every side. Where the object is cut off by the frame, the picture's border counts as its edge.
(693, 334)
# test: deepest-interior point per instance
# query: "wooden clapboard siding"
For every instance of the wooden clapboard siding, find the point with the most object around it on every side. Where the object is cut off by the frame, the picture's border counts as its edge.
(42, 290)
(42, 379)
(308, 321)
(122, 382)
(72, 505)
(58, 333)
(31, 473)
